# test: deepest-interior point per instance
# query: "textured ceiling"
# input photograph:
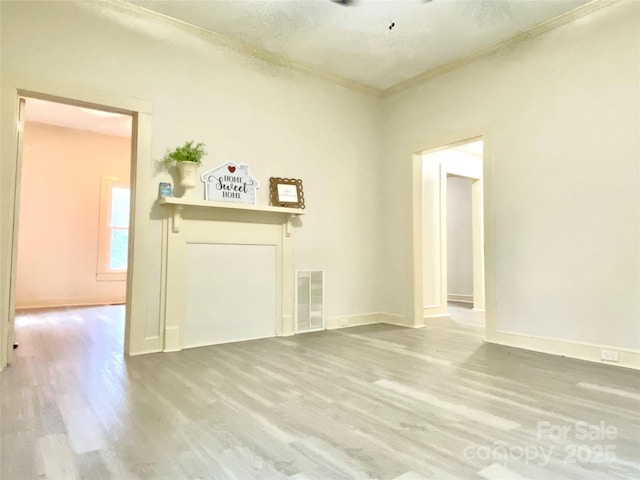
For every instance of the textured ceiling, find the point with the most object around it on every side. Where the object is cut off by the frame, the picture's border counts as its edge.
(69, 116)
(354, 42)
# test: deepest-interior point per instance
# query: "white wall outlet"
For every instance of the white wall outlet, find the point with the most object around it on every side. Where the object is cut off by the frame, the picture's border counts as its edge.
(609, 355)
(344, 322)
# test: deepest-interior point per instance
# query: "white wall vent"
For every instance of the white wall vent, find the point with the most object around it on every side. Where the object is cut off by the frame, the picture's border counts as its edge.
(309, 300)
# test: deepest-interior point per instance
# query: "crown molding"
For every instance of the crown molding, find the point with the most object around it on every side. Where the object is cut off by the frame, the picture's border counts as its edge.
(281, 61)
(539, 29)
(242, 47)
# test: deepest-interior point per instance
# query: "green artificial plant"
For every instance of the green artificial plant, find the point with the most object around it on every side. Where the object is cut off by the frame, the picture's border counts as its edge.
(186, 153)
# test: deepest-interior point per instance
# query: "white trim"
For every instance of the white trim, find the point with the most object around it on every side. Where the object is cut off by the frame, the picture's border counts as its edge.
(477, 226)
(489, 234)
(358, 320)
(14, 86)
(583, 351)
(8, 300)
(482, 275)
(434, 311)
(302, 332)
(444, 267)
(104, 273)
(417, 261)
(111, 276)
(275, 59)
(436, 316)
(136, 340)
(243, 339)
(459, 297)
(509, 43)
(172, 338)
(47, 89)
(66, 302)
(247, 49)
(191, 202)
(333, 323)
(579, 350)
(177, 206)
(223, 226)
(148, 345)
(400, 320)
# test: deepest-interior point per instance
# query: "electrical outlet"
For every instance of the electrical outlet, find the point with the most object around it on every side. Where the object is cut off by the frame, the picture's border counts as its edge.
(609, 355)
(344, 322)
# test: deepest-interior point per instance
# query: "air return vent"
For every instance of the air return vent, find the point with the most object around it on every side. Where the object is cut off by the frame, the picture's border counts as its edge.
(309, 300)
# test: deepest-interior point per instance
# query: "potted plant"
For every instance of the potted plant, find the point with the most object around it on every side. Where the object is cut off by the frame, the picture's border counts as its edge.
(187, 158)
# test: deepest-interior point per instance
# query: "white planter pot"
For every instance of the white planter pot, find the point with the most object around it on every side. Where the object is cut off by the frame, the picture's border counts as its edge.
(188, 177)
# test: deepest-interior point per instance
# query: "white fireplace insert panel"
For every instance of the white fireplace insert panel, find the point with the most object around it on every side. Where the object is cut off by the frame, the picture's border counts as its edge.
(230, 293)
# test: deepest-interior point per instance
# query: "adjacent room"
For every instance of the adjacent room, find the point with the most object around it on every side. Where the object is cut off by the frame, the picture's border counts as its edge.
(72, 253)
(320, 239)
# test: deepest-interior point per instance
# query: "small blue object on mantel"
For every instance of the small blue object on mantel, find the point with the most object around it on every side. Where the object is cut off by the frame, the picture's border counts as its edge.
(164, 190)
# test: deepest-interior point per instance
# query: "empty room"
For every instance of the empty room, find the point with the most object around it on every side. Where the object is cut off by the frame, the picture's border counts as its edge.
(361, 239)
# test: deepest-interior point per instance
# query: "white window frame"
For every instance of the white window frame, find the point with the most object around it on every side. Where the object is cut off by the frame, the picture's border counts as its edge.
(104, 272)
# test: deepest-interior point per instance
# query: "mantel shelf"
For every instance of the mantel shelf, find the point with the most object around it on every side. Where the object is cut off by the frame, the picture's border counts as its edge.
(180, 203)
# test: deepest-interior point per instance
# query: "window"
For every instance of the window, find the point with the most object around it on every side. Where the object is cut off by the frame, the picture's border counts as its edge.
(113, 239)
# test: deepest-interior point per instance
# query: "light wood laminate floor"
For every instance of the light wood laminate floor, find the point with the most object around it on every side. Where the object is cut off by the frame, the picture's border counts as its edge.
(463, 314)
(366, 402)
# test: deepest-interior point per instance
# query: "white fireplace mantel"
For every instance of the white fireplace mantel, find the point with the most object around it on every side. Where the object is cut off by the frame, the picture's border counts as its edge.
(204, 229)
(179, 204)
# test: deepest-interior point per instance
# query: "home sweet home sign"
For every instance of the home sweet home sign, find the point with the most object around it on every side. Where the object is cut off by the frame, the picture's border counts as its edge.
(230, 182)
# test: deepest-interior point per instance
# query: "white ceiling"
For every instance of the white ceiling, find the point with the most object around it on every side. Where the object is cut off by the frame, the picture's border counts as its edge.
(54, 113)
(354, 41)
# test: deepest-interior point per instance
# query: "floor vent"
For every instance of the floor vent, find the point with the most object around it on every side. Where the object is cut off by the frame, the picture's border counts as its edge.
(309, 300)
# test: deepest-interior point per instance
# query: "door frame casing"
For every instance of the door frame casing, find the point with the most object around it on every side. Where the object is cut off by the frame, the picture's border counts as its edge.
(488, 226)
(16, 86)
(477, 237)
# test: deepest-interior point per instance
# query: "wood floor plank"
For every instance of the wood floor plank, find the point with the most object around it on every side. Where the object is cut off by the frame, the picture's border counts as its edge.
(378, 401)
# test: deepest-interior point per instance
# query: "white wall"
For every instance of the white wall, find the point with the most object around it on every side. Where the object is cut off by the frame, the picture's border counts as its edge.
(280, 122)
(561, 114)
(561, 111)
(459, 237)
(59, 210)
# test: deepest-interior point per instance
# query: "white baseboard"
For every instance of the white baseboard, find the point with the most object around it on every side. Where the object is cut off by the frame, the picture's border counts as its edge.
(345, 321)
(458, 297)
(150, 345)
(434, 310)
(400, 320)
(583, 351)
(445, 316)
(226, 342)
(66, 302)
(288, 326)
(172, 341)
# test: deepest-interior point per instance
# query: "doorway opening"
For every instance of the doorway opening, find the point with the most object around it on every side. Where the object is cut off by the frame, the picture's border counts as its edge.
(73, 204)
(139, 336)
(452, 228)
